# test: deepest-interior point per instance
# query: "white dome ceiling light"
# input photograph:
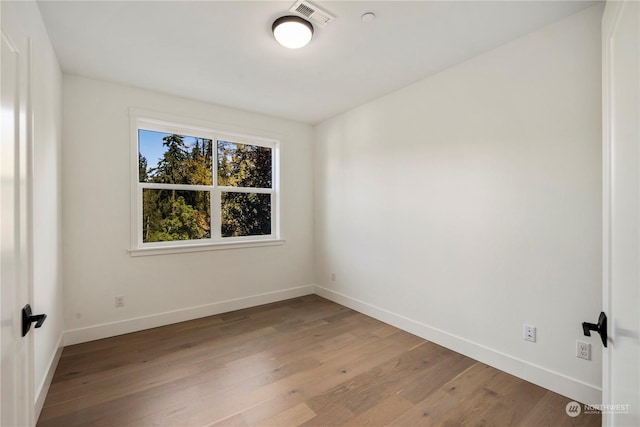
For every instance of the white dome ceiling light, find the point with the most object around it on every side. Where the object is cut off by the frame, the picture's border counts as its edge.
(292, 32)
(368, 17)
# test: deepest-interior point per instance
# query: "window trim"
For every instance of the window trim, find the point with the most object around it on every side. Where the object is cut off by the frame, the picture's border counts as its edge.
(144, 119)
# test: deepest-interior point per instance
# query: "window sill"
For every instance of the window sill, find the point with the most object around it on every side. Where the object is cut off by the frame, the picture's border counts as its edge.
(164, 250)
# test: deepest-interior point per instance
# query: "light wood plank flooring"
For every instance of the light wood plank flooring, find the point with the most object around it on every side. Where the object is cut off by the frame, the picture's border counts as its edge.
(306, 361)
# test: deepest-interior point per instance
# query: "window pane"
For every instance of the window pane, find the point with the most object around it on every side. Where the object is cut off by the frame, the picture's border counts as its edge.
(246, 214)
(175, 215)
(174, 159)
(243, 165)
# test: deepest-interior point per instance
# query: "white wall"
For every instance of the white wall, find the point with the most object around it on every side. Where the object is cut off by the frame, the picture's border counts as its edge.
(46, 81)
(162, 289)
(468, 204)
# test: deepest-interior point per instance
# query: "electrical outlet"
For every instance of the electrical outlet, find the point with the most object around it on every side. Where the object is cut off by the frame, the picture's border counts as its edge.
(119, 302)
(583, 350)
(529, 333)
(333, 277)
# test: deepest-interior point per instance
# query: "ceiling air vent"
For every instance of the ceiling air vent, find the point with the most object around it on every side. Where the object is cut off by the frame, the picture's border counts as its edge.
(312, 13)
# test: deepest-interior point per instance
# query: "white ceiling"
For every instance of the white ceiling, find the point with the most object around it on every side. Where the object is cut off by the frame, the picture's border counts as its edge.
(223, 52)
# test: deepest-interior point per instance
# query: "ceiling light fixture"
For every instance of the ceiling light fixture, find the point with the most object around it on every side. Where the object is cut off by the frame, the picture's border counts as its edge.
(292, 31)
(368, 17)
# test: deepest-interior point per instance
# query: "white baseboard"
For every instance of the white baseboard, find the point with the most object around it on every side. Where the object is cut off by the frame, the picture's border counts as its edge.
(106, 330)
(43, 389)
(554, 381)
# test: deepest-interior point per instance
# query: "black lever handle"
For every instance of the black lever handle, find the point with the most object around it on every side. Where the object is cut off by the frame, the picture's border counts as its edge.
(28, 318)
(600, 327)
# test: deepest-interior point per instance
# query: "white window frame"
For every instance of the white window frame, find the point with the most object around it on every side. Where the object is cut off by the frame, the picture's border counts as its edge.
(147, 120)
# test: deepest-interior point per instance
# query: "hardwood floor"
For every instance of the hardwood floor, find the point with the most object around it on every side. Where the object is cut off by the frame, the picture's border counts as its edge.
(306, 361)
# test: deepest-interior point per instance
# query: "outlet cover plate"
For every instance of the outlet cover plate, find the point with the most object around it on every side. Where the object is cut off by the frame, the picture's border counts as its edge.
(529, 333)
(583, 350)
(119, 301)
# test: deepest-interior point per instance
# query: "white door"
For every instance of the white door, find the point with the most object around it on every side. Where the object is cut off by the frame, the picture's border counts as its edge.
(621, 199)
(16, 373)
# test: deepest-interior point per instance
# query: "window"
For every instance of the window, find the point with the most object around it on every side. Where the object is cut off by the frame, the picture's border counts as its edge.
(198, 187)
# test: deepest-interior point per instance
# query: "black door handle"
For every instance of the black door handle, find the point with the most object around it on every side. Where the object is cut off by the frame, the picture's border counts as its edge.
(600, 327)
(28, 318)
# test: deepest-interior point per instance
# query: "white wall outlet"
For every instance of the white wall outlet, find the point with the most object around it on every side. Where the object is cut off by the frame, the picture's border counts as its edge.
(333, 277)
(583, 350)
(529, 333)
(119, 301)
